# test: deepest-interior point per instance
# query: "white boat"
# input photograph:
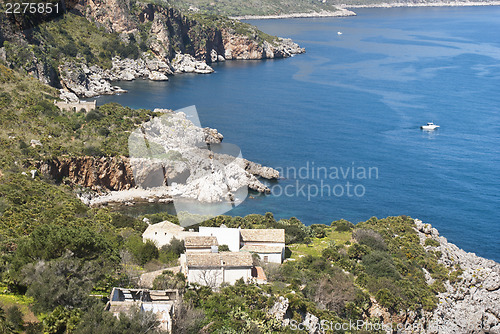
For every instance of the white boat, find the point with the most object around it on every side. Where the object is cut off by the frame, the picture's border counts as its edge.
(339, 32)
(429, 126)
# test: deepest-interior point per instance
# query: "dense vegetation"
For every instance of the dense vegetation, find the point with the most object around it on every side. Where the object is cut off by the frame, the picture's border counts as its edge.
(256, 7)
(281, 7)
(73, 38)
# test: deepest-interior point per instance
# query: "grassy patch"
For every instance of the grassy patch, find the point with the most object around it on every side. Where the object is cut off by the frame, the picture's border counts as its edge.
(317, 245)
(21, 301)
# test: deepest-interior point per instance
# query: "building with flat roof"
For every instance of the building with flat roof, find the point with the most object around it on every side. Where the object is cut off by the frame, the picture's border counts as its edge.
(160, 302)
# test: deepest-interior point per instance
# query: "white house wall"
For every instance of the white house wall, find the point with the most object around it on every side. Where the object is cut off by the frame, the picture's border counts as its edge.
(163, 238)
(197, 275)
(225, 236)
(271, 257)
(231, 275)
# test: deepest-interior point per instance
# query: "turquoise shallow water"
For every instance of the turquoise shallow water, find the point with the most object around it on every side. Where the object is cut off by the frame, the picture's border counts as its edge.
(356, 100)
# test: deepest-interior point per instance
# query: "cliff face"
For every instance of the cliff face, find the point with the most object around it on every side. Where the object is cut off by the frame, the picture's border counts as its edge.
(471, 304)
(161, 41)
(171, 32)
(95, 173)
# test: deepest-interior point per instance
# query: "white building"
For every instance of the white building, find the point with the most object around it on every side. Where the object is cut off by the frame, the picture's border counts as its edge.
(272, 254)
(162, 233)
(269, 244)
(213, 269)
(225, 236)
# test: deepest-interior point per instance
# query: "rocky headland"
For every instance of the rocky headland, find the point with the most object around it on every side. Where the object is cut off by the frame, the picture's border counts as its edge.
(169, 158)
(470, 304)
(423, 4)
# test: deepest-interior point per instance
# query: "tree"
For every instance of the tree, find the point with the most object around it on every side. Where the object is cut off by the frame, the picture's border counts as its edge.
(96, 320)
(169, 280)
(66, 281)
(175, 246)
(148, 252)
(15, 317)
(210, 277)
(61, 320)
(342, 225)
(5, 326)
(224, 248)
(187, 319)
(334, 291)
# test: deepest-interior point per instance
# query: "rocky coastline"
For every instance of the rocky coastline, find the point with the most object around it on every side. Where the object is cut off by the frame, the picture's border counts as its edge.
(470, 304)
(90, 81)
(183, 168)
(341, 12)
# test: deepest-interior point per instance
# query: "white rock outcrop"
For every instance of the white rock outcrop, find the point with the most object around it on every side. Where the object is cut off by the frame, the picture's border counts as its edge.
(89, 81)
(170, 159)
(185, 63)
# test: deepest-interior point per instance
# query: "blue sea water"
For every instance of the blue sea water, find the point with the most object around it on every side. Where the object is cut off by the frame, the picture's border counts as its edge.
(356, 100)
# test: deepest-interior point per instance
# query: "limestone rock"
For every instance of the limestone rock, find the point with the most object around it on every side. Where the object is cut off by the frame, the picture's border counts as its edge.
(35, 143)
(68, 96)
(91, 172)
(279, 308)
(185, 63)
(311, 322)
(470, 305)
(212, 136)
(93, 81)
(157, 76)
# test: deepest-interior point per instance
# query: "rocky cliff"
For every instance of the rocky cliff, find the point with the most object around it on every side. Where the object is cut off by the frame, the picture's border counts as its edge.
(161, 40)
(471, 304)
(98, 174)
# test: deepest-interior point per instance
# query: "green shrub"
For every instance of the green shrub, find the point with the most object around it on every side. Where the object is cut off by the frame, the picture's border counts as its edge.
(432, 242)
(380, 264)
(342, 225)
(387, 299)
(169, 280)
(357, 251)
(223, 248)
(370, 238)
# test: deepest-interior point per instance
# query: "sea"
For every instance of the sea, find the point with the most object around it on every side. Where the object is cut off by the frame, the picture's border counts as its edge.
(342, 121)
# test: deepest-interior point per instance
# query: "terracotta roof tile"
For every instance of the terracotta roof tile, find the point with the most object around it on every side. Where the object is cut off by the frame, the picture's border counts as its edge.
(200, 241)
(263, 235)
(164, 226)
(228, 259)
(234, 259)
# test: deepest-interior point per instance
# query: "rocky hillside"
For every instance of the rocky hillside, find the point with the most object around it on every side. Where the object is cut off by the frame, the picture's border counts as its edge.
(470, 304)
(99, 41)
